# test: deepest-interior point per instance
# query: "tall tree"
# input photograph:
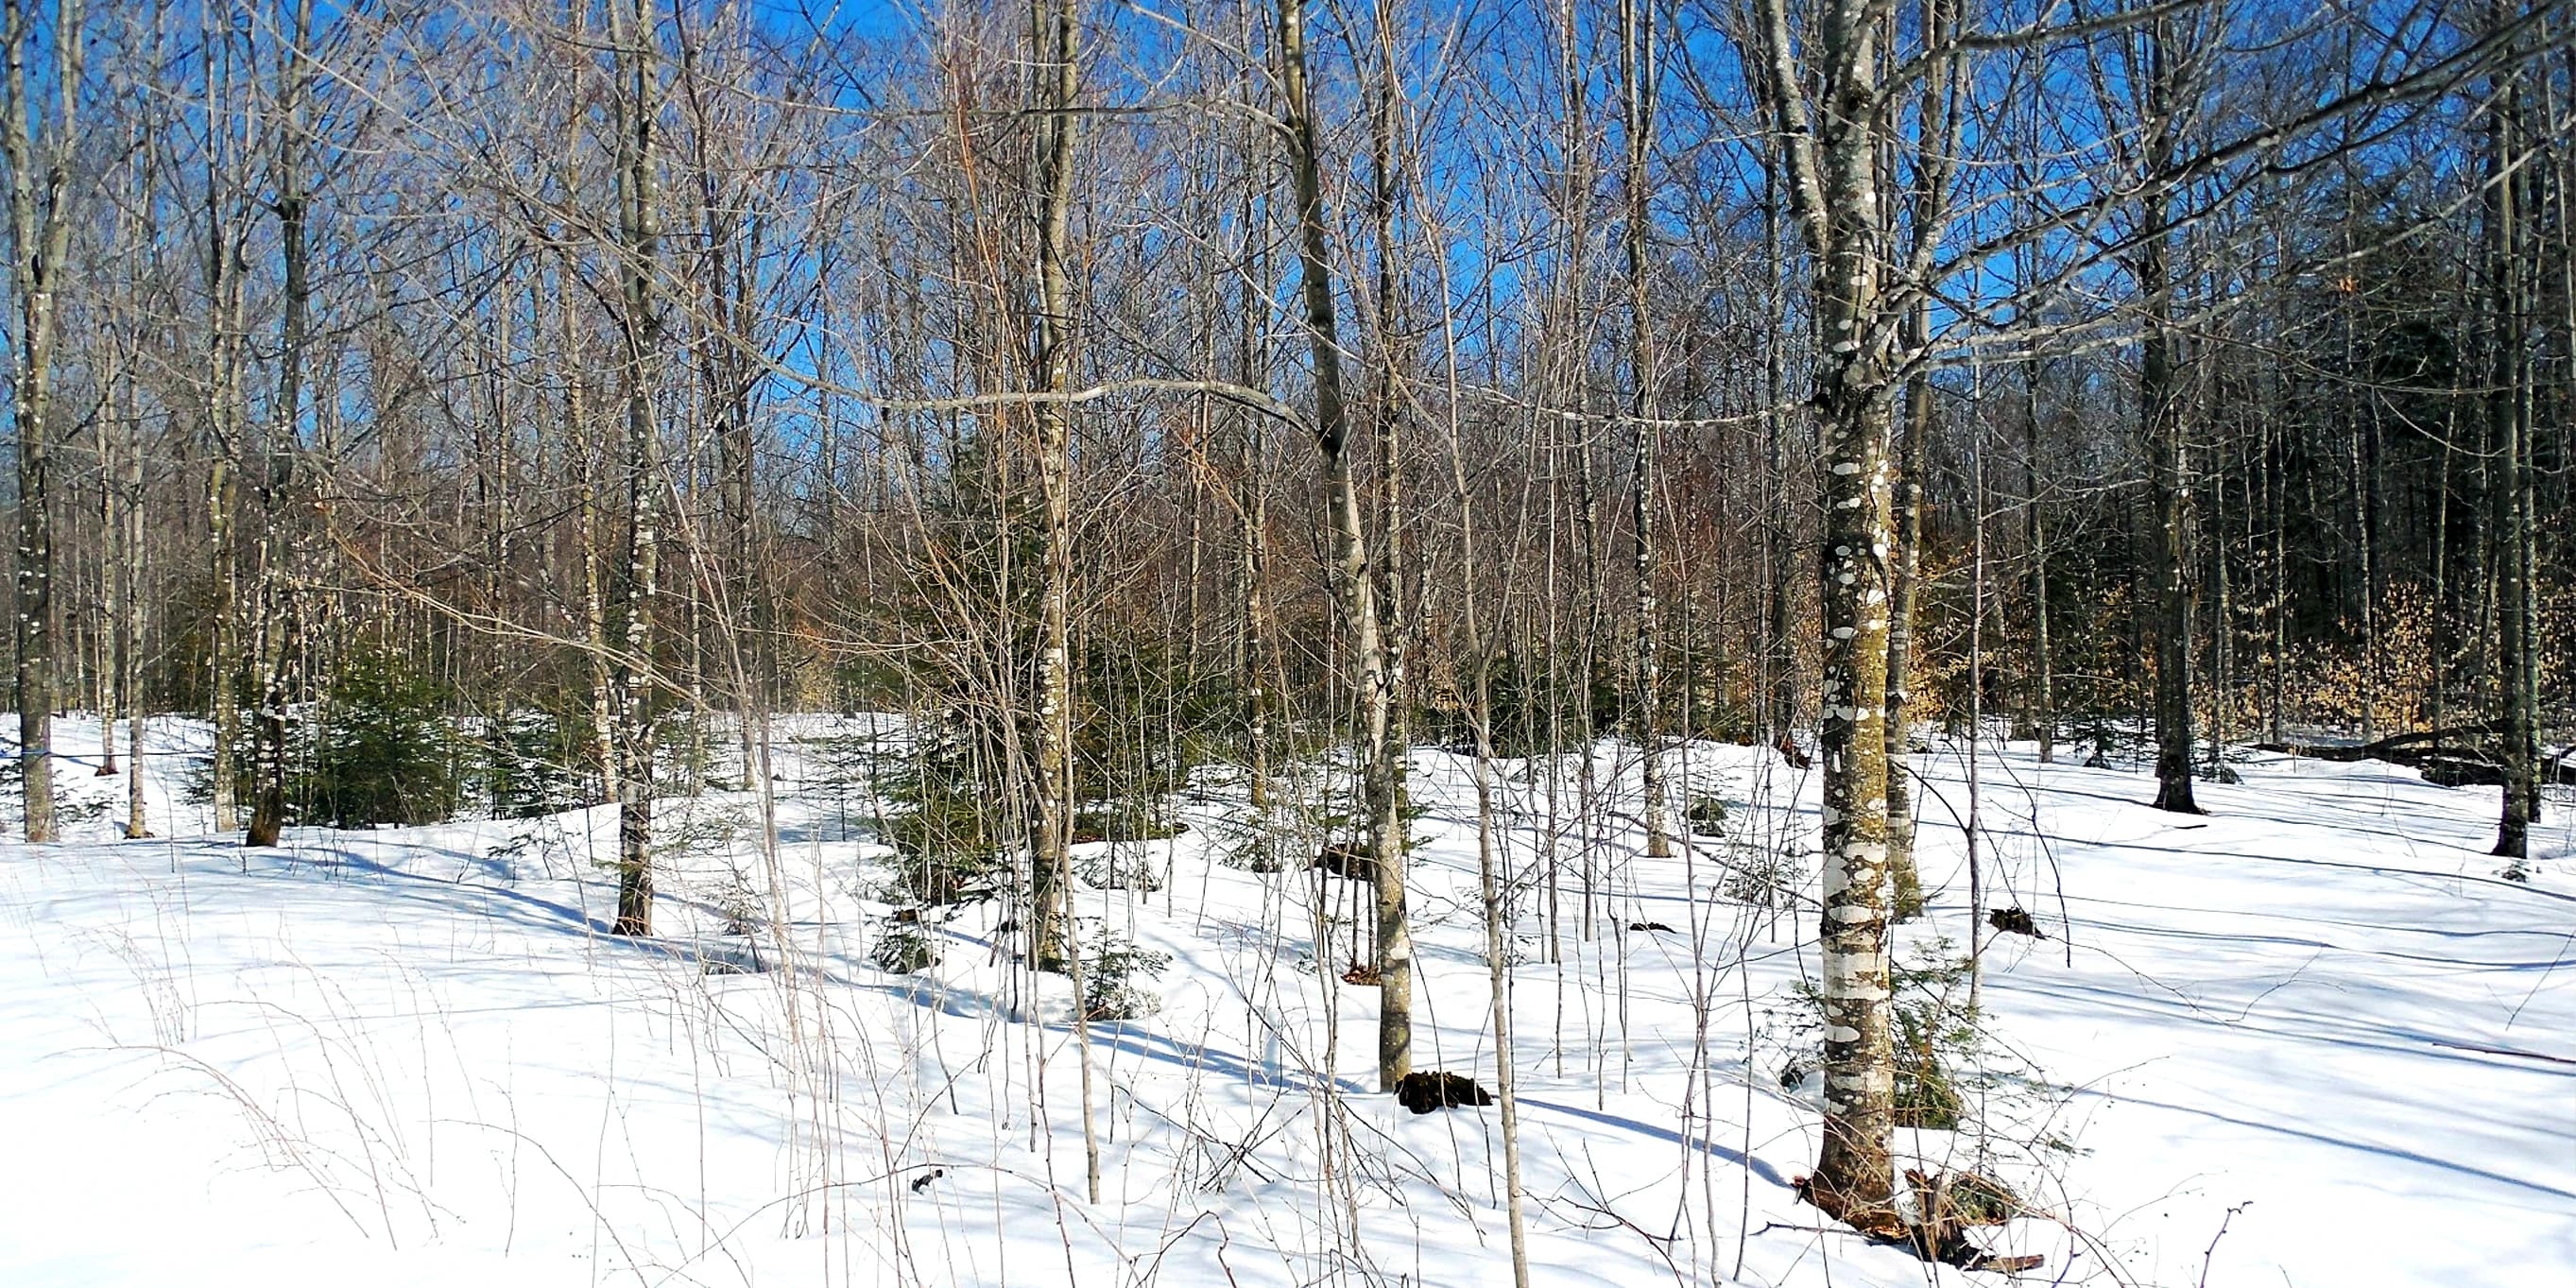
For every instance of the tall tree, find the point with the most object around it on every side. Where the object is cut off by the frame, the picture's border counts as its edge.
(1058, 36)
(276, 593)
(1933, 160)
(2157, 67)
(2510, 272)
(1821, 87)
(1055, 354)
(1349, 558)
(39, 140)
(632, 674)
(1637, 77)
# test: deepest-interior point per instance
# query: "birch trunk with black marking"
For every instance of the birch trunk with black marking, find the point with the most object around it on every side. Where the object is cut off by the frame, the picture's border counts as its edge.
(1828, 118)
(631, 671)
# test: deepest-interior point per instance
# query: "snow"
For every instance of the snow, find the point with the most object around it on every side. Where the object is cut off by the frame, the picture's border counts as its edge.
(2314, 1020)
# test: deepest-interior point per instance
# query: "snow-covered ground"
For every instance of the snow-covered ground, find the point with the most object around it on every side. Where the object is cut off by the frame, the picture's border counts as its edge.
(2311, 1039)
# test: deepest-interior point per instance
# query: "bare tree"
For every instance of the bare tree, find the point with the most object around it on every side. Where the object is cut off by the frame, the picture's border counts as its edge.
(39, 142)
(1637, 74)
(1058, 34)
(2509, 280)
(632, 674)
(1352, 584)
(1821, 88)
(280, 601)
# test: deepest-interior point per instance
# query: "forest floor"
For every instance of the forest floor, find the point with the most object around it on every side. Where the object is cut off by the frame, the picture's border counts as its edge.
(2310, 1039)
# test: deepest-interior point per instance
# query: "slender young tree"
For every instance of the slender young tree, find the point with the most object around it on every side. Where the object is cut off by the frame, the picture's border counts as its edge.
(1906, 576)
(1057, 26)
(2041, 698)
(1933, 159)
(224, 266)
(1637, 77)
(1058, 31)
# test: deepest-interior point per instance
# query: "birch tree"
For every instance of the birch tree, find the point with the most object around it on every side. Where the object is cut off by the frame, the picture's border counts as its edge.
(1821, 88)
(40, 131)
(632, 675)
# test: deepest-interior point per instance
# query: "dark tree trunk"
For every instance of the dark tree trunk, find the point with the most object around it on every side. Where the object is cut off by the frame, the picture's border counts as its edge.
(2160, 410)
(2509, 419)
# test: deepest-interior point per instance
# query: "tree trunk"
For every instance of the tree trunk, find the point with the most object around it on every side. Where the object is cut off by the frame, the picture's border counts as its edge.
(1056, 334)
(2043, 700)
(1853, 1170)
(40, 188)
(1050, 872)
(1386, 782)
(1255, 654)
(1637, 57)
(1831, 135)
(275, 590)
(2168, 475)
(2222, 636)
(585, 457)
(2509, 418)
(2276, 493)
(129, 623)
(2169, 498)
(224, 651)
(1780, 657)
(1349, 556)
(631, 675)
(110, 611)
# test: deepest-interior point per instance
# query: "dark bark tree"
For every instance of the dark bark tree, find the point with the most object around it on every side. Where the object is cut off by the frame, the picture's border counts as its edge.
(2509, 273)
(2164, 424)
